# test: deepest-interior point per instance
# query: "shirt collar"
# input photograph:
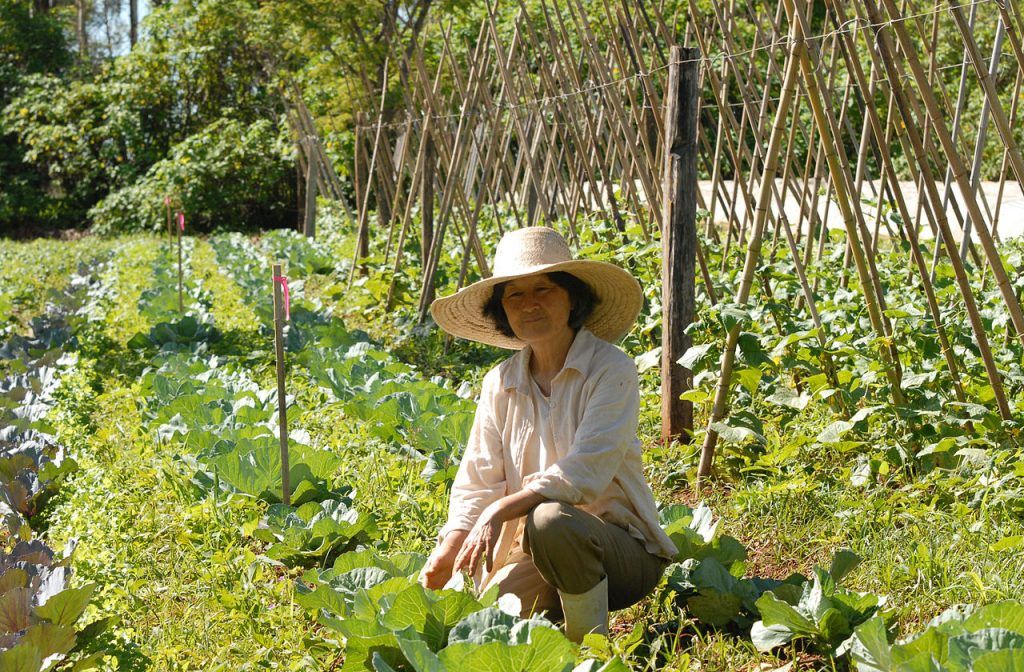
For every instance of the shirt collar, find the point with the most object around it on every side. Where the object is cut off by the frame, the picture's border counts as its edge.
(517, 373)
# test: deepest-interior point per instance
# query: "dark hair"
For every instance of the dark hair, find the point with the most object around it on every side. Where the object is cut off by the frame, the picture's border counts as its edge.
(582, 299)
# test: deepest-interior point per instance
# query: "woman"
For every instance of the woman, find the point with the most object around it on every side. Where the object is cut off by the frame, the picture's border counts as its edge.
(550, 502)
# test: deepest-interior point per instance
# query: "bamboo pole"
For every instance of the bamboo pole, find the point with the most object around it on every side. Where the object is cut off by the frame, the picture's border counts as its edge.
(503, 68)
(959, 171)
(181, 278)
(1002, 124)
(403, 156)
(1014, 108)
(376, 176)
(840, 179)
(850, 55)
(280, 282)
(887, 58)
(309, 220)
(753, 253)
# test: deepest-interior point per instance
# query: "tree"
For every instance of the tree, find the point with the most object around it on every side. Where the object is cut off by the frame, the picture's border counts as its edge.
(100, 143)
(31, 43)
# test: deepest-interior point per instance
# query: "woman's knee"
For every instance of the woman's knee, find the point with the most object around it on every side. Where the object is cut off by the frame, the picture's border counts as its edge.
(547, 518)
(563, 547)
(554, 522)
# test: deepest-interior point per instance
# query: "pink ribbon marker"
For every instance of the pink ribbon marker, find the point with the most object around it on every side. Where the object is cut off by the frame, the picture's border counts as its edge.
(167, 201)
(181, 221)
(287, 299)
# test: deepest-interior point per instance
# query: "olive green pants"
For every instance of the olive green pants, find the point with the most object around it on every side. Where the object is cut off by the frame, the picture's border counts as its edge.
(569, 550)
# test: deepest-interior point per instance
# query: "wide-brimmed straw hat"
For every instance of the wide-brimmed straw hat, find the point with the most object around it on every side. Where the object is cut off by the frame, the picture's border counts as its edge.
(530, 251)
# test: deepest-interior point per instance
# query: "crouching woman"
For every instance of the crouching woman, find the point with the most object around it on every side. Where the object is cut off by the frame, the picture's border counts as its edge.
(550, 501)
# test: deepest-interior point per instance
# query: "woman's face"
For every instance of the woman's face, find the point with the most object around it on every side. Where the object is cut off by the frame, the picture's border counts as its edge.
(537, 308)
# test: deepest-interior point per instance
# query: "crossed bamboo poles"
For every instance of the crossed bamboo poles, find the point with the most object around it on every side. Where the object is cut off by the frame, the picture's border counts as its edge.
(530, 129)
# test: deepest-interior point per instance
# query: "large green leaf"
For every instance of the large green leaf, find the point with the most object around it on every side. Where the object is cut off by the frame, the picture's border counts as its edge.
(15, 610)
(776, 612)
(834, 432)
(767, 637)
(834, 627)
(486, 625)
(50, 639)
(694, 533)
(963, 649)
(419, 653)
(784, 396)
(314, 529)
(843, 562)
(719, 597)
(694, 356)
(1008, 614)
(870, 648)
(66, 607)
(362, 651)
(545, 650)
(21, 658)
(1008, 660)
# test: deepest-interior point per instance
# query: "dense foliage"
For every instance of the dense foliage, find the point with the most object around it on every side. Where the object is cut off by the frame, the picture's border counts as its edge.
(192, 112)
(29, 45)
(838, 530)
(196, 110)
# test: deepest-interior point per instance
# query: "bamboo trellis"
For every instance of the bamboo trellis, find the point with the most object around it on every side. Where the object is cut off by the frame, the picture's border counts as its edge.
(553, 115)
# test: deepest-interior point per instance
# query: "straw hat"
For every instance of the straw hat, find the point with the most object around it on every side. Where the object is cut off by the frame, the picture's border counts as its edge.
(530, 251)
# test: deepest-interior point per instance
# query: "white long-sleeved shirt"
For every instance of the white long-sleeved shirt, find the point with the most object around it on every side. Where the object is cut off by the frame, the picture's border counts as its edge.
(578, 446)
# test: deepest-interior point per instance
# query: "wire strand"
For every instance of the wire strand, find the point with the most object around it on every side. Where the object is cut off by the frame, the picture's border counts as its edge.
(845, 27)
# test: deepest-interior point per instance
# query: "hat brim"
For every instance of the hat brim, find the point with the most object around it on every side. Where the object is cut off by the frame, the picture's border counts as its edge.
(619, 295)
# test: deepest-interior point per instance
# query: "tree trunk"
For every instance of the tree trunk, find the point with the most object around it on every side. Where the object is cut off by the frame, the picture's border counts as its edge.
(133, 22)
(80, 28)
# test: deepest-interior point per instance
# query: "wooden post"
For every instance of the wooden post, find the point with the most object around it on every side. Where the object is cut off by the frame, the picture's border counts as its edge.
(309, 225)
(181, 227)
(679, 239)
(282, 400)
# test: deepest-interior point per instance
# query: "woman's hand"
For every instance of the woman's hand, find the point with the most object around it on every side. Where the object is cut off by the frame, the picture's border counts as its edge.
(462, 550)
(481, 541)
(483, 538)
(439, 567)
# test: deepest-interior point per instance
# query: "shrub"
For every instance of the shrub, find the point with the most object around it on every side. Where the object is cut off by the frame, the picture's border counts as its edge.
(229, 175)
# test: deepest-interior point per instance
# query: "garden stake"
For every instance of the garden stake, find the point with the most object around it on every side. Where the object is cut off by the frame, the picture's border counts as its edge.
(991, 104)
(452, 158)
(282, 309)
(170, 224)
(572, 79)
(362, 225)
(403, 155)
(181, 230)
(1002, 124)
(596, 172)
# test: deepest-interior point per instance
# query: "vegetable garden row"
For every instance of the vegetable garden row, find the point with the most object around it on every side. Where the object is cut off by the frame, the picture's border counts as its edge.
(149, 437)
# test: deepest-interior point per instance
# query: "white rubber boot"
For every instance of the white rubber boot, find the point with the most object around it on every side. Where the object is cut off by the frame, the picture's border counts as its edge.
(586, 612)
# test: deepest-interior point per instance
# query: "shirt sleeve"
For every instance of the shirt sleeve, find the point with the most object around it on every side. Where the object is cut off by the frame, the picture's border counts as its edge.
(480, 479)
(605, 434)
